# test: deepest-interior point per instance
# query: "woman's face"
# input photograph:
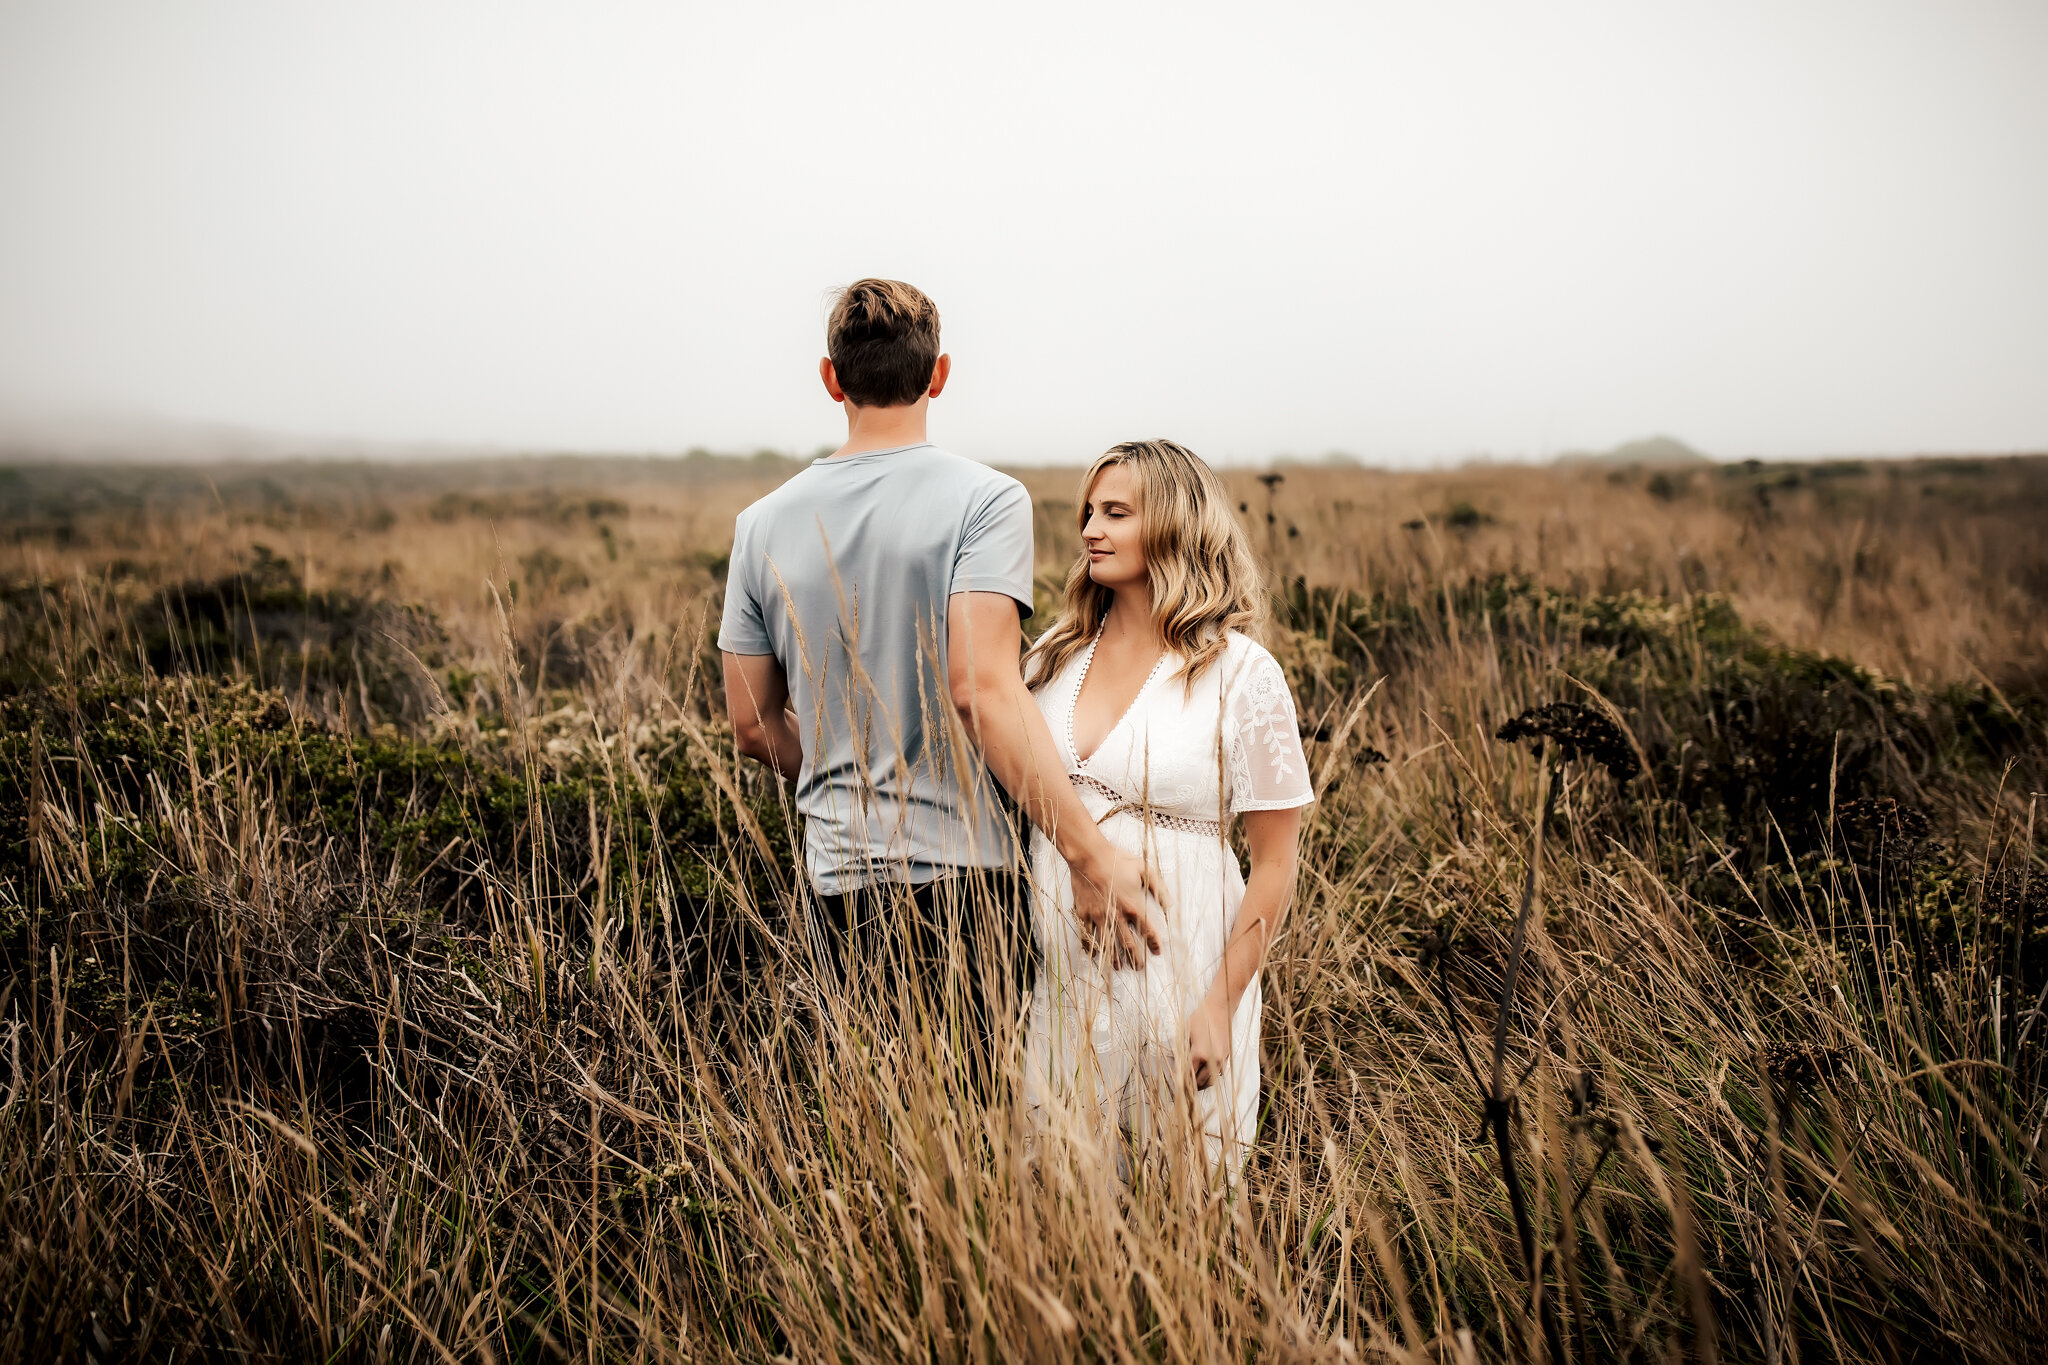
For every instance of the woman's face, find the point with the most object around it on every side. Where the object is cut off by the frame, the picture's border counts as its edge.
(1113, 531)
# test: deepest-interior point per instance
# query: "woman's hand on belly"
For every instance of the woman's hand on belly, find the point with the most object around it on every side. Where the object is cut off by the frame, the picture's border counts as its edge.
(1209, 1041)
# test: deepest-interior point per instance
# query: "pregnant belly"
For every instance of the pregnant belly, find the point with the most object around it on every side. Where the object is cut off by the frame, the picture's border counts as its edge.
(1202, 888)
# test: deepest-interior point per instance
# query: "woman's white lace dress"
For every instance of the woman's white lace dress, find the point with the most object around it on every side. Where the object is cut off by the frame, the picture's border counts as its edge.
(1107, 1046)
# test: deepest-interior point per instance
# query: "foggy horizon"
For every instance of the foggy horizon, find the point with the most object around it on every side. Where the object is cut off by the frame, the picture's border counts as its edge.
(116, 438)
(1416, 238)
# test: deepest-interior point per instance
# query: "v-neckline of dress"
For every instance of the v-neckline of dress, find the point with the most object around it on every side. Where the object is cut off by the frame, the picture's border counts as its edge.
(1074, 701)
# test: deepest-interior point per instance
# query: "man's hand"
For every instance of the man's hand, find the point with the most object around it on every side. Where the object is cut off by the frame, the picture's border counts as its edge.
(1209, 1041)
(1114, 907)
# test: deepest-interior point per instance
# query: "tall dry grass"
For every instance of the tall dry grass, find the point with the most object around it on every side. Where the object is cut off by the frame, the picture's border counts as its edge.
(399, 966)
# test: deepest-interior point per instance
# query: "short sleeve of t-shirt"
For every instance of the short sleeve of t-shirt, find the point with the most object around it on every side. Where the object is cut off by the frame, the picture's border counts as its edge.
(741, 630)
(995, 553)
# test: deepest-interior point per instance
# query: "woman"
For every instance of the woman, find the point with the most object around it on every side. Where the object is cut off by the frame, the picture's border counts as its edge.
(1171, 721)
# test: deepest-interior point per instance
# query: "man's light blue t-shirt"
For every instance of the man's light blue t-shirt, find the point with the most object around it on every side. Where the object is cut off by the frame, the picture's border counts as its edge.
(843, 574)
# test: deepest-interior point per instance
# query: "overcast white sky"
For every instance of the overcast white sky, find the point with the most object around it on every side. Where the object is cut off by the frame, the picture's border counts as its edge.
(1412, 232)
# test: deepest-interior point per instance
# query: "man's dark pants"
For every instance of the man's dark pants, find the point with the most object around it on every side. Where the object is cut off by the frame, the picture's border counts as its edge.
(957, 950)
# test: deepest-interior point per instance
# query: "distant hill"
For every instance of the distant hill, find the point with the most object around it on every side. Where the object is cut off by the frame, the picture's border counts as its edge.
(1663, 451)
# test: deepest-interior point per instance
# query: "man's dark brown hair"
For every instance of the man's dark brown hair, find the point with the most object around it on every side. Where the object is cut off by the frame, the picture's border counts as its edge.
(883, 337)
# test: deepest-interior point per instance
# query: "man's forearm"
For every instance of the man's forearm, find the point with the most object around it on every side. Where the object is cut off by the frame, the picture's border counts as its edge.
(757, 699)
(1010, 731)
(778, 744)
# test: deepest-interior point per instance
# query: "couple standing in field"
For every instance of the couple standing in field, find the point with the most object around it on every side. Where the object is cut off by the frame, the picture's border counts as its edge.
(874, 656)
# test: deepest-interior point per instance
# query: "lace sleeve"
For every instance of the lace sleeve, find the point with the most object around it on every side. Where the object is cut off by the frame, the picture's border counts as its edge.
(1268, 771)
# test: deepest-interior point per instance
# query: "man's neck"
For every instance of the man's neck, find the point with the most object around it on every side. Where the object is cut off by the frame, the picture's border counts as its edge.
(883, 428)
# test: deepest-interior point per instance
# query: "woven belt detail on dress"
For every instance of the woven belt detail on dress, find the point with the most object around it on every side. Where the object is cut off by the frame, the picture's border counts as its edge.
(1123, 805)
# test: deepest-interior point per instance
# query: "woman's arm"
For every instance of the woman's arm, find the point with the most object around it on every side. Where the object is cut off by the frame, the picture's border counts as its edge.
(1273, 836)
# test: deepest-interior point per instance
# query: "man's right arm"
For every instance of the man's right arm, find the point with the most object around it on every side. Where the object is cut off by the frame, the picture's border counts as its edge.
(1112, 894)
(757, 700)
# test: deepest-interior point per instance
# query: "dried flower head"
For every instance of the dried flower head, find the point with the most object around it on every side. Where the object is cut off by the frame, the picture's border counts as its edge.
(2012, 895)
(1880, 822)
(1802, 1066)
(1579, 732)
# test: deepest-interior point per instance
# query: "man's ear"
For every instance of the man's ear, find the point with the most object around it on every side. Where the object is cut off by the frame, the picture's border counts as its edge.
(831, 378)
(941, 372)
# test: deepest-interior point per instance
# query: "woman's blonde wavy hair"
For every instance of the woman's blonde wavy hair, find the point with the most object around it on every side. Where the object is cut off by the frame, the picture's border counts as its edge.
(1204, 579)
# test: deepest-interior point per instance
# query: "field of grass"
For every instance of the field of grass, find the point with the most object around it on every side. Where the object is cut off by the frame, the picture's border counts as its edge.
(398, 964)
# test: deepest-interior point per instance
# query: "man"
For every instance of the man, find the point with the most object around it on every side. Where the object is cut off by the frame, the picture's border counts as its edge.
(872, 622)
